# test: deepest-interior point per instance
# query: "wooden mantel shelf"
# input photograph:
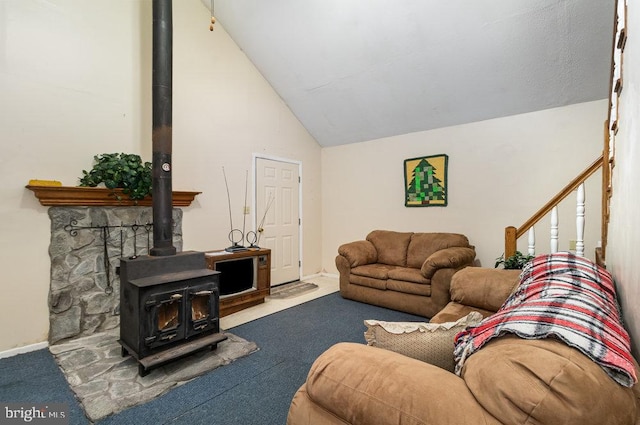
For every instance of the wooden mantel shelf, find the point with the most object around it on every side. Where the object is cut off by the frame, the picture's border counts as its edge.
(99, 197)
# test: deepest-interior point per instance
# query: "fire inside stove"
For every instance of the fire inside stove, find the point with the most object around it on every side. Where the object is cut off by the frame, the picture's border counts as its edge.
(168, 316)
(200, 306)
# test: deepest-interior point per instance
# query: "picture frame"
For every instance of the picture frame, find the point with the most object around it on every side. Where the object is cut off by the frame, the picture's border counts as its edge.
(425, 181)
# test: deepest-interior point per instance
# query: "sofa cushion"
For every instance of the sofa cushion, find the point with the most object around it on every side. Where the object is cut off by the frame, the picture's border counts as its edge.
(375, 271)
(391, 246)
(423, 289)
(408, 275)
(368, 282)
(545, 382)
(371, 275)
(422, 245)
(429, 342)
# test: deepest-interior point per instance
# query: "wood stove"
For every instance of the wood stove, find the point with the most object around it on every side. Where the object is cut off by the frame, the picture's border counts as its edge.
(169, 307)
(169, 302)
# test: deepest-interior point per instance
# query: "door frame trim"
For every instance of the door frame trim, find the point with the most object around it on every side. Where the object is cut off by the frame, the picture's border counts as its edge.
(254, 194)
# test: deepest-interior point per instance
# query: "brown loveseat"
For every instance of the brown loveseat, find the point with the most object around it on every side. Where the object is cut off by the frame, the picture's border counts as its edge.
(510, 381)
(403, 271)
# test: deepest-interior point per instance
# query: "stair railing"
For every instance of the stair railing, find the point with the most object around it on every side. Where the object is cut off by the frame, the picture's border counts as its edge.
(606, 161)
(512, 234)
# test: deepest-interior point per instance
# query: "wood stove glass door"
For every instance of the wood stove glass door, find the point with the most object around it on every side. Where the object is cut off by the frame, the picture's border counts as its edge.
(165, 318)
(203, 312)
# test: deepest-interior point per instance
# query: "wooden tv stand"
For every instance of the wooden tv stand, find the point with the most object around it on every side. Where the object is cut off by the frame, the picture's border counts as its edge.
(232, 303)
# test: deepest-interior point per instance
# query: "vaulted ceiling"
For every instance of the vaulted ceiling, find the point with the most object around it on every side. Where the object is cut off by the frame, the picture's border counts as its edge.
(357, 70)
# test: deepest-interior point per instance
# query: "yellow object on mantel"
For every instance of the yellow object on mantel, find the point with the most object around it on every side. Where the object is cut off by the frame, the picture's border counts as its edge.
(36, 182)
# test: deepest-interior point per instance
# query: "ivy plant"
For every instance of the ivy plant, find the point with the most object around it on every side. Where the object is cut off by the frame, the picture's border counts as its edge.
(514, 262)
(120, 170)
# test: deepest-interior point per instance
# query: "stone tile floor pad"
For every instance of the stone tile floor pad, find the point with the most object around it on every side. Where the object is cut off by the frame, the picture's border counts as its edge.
(105, 382)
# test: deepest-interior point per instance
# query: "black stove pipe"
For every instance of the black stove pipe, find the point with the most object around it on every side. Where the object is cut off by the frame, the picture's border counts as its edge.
(162, 132)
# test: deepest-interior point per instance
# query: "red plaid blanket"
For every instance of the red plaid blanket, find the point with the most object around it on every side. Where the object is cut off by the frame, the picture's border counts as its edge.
(567, 297)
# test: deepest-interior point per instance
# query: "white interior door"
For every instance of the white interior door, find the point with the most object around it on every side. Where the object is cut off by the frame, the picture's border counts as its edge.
(278, 204)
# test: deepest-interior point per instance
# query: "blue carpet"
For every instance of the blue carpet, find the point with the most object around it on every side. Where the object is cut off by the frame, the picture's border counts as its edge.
(35, 378)
(256, 389)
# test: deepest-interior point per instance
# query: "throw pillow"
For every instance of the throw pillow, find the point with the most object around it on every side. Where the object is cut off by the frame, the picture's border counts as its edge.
(430, 342)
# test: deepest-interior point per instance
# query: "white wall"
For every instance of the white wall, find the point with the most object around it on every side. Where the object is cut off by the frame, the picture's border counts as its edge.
(75, 78)
(624, 229)
(224, 111)
(501, 172)
(70, 83)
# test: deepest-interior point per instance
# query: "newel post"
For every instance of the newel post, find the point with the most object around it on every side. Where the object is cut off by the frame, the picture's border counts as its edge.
(510, 239)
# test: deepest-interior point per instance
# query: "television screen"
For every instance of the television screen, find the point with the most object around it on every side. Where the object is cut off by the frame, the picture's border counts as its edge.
(236, 275)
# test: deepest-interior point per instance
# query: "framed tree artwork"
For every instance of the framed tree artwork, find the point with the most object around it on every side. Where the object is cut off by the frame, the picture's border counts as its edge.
(425, 181)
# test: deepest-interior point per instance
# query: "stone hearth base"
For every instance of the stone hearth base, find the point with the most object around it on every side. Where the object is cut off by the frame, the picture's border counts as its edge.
(106, 383)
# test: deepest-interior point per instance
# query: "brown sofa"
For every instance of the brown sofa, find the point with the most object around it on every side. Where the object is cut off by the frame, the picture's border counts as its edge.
(510, 381)
(403, 271)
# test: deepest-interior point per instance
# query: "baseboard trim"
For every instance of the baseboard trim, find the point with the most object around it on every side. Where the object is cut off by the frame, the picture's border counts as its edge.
(311, 276)
(321, 274)
(22, 350)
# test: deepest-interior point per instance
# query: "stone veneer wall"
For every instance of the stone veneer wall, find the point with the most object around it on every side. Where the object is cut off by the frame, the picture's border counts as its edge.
(79, 304)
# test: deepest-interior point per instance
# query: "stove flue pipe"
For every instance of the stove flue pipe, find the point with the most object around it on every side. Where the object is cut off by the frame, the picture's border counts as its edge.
(162, 132)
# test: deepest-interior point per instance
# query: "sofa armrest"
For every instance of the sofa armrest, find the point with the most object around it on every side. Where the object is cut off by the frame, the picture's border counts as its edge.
(482, 287)
(359, 253)
(362, 384)
(449, 258)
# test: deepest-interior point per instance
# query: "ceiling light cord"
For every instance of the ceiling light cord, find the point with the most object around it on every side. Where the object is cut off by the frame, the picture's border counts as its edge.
(213, 20)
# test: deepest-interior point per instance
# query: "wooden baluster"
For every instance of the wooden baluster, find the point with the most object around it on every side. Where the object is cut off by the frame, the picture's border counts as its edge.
(554, 230)
(532, 242)
(580, 221)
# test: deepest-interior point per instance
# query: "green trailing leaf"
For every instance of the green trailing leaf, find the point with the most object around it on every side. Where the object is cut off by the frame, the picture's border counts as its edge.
(119, 170)
(514, 262)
